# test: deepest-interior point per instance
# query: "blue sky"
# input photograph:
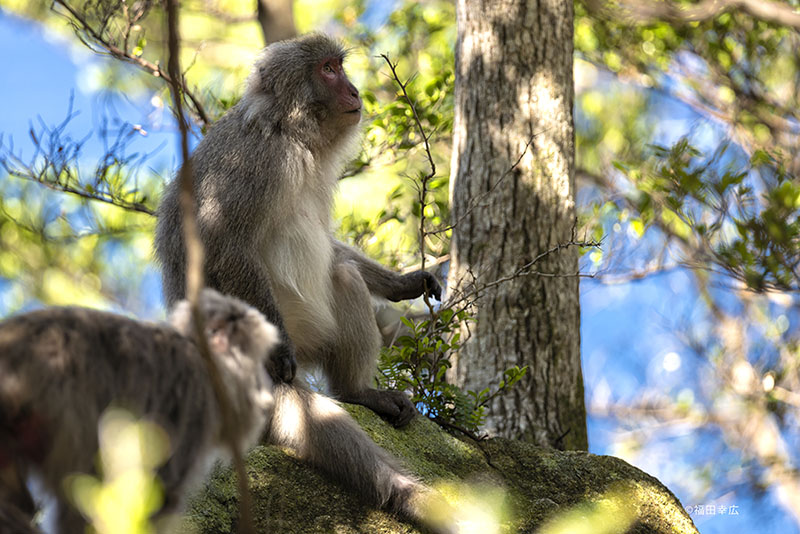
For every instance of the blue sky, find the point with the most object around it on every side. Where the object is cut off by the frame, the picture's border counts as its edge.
(626, 329)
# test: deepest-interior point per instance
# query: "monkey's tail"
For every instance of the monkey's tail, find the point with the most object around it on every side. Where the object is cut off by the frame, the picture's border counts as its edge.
(324, 434)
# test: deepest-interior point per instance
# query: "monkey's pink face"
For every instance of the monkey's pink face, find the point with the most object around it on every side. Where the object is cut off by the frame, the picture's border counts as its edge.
(344, 96)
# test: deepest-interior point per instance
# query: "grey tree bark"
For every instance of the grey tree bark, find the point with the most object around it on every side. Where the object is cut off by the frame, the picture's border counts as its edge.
(514, 89)
(276, 19)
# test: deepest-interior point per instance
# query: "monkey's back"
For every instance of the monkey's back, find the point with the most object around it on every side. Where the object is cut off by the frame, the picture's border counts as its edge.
(62, 367)
(234, 171)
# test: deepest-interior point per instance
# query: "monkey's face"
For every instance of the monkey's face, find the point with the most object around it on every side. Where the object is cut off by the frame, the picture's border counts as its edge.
(342, 96)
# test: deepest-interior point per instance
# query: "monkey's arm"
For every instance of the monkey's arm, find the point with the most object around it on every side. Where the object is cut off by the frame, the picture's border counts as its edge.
(242, 276)
(385, 283)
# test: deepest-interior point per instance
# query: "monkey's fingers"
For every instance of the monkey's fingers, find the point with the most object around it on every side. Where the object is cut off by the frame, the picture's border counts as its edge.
(394, 406)
(432, 287)
(282, 365)
(397, 407)
(416, 284)
(407, 413)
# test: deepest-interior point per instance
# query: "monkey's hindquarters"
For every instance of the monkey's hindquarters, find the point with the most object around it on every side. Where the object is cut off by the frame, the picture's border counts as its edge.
(324, 434)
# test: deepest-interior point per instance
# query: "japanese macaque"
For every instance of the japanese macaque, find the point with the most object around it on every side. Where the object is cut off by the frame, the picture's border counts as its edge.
(61, 368)
(264, 179)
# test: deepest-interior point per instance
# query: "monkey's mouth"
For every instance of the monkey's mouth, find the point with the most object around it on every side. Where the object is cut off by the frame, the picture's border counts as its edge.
(354, 111)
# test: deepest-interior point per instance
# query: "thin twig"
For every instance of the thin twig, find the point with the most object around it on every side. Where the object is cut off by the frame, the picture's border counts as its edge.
(80, 24)
(469, 297)
(65, 188)
(475, 201)
(211, 8)
(55, 164)
(423, 183)
(194, 274)
(447, 424)
(648, 11)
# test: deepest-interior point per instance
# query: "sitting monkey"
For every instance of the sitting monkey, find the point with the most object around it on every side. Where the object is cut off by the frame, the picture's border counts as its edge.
(264, 179)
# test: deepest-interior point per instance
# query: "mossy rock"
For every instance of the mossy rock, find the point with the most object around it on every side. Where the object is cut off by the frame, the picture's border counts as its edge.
(538, 490)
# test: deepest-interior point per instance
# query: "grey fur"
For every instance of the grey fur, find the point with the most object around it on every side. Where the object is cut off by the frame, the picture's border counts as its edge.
(66, 365)
(62, 367)
(265, 175)
(13, 520)
(323, 434)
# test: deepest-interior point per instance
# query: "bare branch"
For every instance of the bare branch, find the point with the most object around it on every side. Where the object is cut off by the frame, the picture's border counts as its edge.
(441, 421)
(425, 179)
(55, 164)
(211, 7)
(469, 297)
(646, 11)
(194, 272)
(636, 276)
(99, 43)
(423, 190)
(476, 201)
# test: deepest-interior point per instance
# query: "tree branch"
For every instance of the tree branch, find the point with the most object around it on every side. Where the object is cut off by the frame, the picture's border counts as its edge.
(469, 297)
(647, 11)
(54, 164)
(82, 25)
(212, 8)
(424, 179)
(194, 274)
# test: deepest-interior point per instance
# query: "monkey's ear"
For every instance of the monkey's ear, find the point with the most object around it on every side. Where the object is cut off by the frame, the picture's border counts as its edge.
(218, 330)
(219, 333)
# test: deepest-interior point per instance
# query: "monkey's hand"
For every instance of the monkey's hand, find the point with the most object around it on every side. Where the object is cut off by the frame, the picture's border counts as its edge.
(394, 406)
(282, 365)
(415, 284)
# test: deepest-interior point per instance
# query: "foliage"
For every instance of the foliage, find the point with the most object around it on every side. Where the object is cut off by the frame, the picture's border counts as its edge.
(686, 137)
(732, 75)
(418, 361)
(423, 55)
(128, 493)
(733, 66)
(752, 235)
(739, 219)
(83, 246)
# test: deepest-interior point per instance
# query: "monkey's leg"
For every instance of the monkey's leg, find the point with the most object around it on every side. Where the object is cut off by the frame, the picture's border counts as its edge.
(323, 434)
(13, 520)
(351, 362)
(243, 277)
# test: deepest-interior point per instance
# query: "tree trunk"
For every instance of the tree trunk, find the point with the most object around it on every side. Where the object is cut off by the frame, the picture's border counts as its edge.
(514, 88)
(276, 18)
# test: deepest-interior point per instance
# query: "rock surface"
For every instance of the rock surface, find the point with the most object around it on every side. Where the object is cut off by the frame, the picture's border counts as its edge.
(528, 489)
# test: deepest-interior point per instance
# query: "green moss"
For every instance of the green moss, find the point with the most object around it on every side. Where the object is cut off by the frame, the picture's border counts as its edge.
(540, 485)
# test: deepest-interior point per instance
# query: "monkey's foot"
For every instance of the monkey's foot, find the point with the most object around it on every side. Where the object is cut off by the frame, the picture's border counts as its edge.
(394, 406)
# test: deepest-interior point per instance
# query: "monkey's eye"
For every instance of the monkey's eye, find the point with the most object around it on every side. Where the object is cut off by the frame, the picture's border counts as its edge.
(327, 69)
